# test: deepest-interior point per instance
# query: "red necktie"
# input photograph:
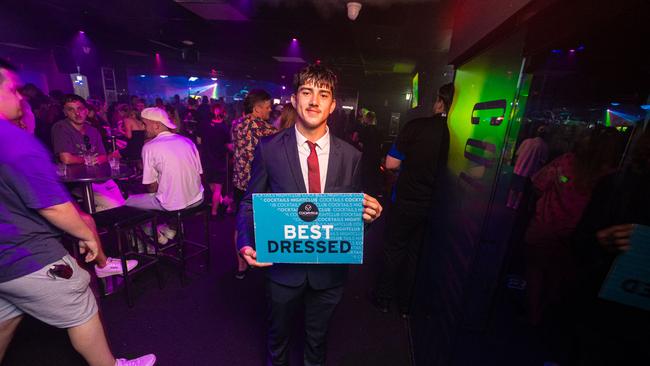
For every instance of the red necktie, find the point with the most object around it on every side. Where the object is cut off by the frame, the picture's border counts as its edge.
(313, 171)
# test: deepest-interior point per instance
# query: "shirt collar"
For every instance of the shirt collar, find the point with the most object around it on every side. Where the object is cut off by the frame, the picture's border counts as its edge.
(164, 133)
(321, 142)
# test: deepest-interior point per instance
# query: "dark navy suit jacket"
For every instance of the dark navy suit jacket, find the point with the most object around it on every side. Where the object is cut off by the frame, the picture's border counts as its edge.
(276, 169)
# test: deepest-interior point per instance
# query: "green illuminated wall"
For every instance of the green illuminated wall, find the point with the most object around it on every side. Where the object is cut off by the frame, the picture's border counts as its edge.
(483, 124)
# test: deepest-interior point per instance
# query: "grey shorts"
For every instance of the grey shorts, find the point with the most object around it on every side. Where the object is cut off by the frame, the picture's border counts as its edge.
(56, 301)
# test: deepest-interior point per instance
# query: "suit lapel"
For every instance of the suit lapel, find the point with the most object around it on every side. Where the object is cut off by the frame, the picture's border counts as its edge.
(291, 150)
(333, 164)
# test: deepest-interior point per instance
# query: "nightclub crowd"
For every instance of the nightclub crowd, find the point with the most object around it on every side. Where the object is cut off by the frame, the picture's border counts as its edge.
(188, 154)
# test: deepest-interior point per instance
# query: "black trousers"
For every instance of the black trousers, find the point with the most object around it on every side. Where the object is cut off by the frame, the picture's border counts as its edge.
(405, 231)
(283, 304)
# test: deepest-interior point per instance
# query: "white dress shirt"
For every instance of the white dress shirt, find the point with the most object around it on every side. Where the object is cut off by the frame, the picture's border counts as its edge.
(323, 152)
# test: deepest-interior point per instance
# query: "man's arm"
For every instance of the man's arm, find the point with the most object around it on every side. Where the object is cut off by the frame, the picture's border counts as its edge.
(153, 187)
(68, 158)
(392, 163)
(65, 217)
(245, 233)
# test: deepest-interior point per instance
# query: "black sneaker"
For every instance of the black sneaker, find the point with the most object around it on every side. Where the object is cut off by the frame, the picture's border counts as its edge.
(240, 275)
(380, 303)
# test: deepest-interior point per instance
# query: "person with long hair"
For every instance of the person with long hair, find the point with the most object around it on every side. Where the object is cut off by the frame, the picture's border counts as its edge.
(288, 116)
(134, 130)
(214, 142)
(564, 187)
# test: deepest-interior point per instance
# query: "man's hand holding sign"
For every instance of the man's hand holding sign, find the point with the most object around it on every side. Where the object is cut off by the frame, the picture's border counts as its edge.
(308, 238)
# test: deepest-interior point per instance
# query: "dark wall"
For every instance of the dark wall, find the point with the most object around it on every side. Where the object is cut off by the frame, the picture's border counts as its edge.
(386, 94)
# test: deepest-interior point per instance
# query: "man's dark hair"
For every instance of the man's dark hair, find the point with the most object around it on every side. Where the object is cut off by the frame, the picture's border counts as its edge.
(191, 101)
(446, 95)
(254, 97)
(316, 74)
(71, 98)
(5, 65)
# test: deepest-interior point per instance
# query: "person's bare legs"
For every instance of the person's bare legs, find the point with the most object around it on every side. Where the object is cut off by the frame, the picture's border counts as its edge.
(7, 329)
(90, 341)
(216, 197)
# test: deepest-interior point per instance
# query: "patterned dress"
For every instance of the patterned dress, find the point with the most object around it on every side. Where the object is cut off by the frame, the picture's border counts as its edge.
(246, 133)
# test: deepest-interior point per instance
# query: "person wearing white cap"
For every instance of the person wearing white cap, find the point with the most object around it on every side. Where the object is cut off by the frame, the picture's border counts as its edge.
(171, 168)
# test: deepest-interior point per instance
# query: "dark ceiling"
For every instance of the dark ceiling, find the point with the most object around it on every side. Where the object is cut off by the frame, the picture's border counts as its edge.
(240, 38)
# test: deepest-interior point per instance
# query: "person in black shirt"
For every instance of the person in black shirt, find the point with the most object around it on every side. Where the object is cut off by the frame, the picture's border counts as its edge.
(369, 138)
(424, 143)
(215, 143)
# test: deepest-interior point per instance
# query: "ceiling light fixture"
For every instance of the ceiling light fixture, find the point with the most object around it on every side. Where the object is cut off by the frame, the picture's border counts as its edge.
(193, 78)
(188, 42)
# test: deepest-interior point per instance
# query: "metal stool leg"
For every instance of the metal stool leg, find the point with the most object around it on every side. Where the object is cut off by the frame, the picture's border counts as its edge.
(181, 245)
(125, 270)
(154, 228)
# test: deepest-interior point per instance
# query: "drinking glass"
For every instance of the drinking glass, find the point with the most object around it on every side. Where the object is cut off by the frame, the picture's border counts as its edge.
(114, 162)
(90, 158)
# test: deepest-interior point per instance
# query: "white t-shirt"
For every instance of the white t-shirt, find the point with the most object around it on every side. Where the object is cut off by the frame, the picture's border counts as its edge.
(531, 156)
(173, 161)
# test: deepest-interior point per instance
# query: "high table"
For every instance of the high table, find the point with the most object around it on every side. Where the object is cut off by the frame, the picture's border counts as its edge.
(87, 175)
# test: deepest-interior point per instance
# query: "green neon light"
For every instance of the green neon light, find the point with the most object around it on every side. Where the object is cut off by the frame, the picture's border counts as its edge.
(415, 98)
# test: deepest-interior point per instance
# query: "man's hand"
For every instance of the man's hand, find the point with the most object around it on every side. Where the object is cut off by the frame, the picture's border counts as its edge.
(615, 238)
(371, 209)
(90, 248)
(250, 256)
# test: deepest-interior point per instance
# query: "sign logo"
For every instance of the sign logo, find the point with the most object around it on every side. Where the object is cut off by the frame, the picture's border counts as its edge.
(308, 212)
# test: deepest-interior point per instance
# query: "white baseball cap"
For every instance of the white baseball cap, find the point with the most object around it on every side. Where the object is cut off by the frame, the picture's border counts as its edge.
(159, 115)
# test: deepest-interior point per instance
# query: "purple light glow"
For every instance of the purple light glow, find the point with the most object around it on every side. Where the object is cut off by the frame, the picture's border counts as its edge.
(294, 49)
(294, 39)
(284, 87)
(82, 32)
(158, 64)
(572, 50)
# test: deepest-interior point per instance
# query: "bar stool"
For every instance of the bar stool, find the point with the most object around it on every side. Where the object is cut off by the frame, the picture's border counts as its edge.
(180, 249)
(124, 221)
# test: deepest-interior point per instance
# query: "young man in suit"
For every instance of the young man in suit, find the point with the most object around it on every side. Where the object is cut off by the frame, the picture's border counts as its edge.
(304, 158)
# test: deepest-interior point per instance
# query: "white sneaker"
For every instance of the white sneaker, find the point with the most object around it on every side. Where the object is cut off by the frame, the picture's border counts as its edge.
(146, 360)
(114, 267)
(162, 239)
(167, 231)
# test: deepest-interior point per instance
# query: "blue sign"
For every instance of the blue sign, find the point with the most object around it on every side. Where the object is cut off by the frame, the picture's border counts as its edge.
(308, 228)
(628, 281)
